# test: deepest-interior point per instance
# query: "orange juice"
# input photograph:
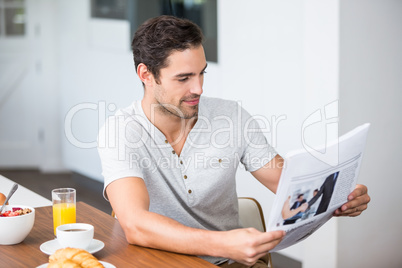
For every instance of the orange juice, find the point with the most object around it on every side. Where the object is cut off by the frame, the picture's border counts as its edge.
(63, 213)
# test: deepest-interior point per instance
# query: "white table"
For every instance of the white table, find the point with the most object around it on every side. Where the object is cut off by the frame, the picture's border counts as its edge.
(22, 196)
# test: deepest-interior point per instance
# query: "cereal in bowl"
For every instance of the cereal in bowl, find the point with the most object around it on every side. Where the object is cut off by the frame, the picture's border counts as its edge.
(16, 212)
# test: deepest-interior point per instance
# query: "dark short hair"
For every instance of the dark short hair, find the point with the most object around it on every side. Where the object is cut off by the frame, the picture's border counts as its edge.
(158, 37)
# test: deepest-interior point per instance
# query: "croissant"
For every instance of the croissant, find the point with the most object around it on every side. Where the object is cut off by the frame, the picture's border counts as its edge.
(73, 258)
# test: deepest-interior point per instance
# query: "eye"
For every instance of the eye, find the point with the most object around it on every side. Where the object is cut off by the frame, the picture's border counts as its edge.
(183, 79)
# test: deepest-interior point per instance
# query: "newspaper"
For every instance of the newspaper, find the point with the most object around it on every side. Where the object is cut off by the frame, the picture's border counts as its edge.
(310, 189)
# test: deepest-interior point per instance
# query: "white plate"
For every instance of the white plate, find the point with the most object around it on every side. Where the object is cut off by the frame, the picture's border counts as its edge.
(51, 246)
(106, 264)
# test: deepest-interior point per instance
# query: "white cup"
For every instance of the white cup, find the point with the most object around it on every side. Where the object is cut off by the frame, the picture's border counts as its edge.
(75, 235)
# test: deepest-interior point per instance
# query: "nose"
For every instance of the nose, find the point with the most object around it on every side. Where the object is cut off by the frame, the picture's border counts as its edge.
(197, 86)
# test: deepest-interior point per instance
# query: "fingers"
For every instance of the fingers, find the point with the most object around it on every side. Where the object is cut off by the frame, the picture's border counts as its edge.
(271, 240)
(252, 261)
(358, 191)
(351, 212)
(352, 208)
(357, 203)
(265, 242)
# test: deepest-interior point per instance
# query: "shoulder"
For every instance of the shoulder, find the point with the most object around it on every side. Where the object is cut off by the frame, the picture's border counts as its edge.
(126, 120)
(131, 110)
(129, 115)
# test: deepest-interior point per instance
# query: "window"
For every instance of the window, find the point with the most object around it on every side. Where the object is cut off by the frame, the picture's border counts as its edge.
(109, 9)
(12, 17)
(201, 12)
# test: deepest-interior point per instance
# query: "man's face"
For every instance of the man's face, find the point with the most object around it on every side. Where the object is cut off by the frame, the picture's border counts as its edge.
(180, 83)
(300, 198)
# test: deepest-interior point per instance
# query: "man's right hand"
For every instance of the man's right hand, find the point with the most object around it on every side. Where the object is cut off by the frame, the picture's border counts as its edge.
(247, 245)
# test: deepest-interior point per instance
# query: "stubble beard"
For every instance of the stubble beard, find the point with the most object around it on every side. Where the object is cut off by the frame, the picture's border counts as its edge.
(178, 110)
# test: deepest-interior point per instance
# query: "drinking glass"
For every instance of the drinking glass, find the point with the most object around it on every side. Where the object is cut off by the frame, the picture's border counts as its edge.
(64, 210)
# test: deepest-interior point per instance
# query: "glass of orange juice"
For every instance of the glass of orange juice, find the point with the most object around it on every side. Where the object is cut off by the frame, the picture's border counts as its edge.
(63, 206)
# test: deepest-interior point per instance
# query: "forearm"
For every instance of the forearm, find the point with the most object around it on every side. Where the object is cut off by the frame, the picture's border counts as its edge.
(157, 231)
(129, 199)
(242, 245)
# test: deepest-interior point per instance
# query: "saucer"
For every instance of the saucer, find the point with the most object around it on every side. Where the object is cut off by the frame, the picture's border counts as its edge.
(51, 246)
(106, 264)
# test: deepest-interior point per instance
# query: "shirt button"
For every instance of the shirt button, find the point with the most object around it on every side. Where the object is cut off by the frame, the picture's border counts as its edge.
(220, 160)
(185, 176)
(181, 162)
(166, 141)
(173, 152)
(189, 191)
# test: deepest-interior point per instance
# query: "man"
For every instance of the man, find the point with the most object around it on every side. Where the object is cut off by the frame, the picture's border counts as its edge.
(170, 177)
(299, 202)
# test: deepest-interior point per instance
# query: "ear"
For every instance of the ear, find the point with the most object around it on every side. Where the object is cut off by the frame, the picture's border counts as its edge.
(145, 76)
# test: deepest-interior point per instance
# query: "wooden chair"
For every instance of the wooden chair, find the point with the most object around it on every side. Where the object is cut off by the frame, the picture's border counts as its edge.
(251, 215)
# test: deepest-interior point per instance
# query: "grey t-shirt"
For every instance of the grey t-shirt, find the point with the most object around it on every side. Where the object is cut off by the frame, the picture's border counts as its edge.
(197, 188)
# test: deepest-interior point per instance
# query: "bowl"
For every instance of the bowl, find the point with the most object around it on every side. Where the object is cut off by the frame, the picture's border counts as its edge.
(15, 229)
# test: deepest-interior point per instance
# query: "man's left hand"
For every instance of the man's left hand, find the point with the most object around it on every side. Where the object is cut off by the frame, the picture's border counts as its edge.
(357, 202)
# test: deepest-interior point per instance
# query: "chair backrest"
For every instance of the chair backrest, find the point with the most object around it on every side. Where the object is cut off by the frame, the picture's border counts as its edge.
(251, 214)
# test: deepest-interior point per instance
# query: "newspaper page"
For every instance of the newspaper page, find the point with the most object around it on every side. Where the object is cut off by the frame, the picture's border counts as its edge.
(310, 189)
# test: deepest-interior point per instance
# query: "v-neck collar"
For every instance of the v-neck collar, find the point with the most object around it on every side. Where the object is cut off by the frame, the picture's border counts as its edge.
(159, 137)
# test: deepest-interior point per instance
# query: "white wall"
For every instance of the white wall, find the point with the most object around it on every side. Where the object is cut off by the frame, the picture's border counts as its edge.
(371, 91)
(96, 75)
(320, 77)
(260, 64)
